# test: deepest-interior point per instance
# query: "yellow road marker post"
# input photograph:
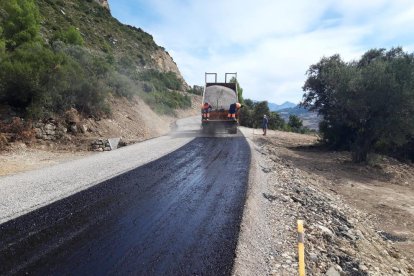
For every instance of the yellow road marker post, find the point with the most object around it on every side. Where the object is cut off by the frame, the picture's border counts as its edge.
(301, 248)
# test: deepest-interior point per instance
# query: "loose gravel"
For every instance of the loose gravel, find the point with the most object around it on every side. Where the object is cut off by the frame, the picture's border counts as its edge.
(25, 192)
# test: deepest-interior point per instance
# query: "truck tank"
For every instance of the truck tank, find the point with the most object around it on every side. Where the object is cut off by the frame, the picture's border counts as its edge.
(220, 95)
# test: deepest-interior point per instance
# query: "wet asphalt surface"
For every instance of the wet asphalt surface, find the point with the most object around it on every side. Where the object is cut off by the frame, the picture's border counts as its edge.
(178, 215)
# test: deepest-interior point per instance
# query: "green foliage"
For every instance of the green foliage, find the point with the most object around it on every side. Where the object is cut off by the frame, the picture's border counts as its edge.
(42, 79)
(161, 81)
(365, 103)
(70, 36)
(295, 123)
(197, 90)
(22, 22)
(251, 115)
(275, 121)
(2, 43)
(239, 90)
(24, 73)
(164, 102)
(260, 109)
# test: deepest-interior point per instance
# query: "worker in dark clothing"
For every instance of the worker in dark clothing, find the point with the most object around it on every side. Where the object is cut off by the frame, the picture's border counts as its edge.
(233, 110)
(265, 122)
(205, 110)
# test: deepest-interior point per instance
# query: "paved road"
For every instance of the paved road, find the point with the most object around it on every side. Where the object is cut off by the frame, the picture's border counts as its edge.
(178, 215)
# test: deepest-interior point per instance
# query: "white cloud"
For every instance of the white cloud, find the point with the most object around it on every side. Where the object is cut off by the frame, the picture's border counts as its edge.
(272, 43)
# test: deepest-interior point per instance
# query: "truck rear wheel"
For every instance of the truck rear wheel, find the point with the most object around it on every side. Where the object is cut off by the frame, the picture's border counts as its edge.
(233, 130)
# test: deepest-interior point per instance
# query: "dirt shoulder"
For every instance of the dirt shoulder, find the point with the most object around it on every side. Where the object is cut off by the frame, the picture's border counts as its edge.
(132, 120)
(359, 218)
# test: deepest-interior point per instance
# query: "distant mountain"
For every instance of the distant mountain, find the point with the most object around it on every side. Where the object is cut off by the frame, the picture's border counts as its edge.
(277, 107)
(310, 119)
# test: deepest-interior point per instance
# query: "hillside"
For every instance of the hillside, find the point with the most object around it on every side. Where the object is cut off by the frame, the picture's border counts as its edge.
(130, 46)
(310, 119)
(112, 79)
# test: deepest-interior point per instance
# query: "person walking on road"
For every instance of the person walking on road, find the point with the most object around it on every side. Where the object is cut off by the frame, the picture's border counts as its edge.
(265, 122)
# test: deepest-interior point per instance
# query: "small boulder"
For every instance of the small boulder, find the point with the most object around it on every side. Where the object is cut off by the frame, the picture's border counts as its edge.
(72, 116)
(73, 128)
(332, 272)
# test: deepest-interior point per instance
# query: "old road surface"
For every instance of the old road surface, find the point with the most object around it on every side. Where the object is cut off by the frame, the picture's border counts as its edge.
(176, 215)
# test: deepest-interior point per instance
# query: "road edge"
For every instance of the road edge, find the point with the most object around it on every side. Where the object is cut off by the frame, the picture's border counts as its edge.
(251, 250)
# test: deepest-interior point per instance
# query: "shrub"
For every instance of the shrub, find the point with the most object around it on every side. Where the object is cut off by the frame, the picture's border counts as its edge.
(161, 81)
(22, 22)
(167, 101)
(70, 36)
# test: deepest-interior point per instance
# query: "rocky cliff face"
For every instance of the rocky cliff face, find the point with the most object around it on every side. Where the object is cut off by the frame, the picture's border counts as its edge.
(165, 63)
(162, 59)
(103, 3)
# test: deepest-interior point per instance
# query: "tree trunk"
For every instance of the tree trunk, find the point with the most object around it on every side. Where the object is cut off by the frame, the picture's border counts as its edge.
(360, 149)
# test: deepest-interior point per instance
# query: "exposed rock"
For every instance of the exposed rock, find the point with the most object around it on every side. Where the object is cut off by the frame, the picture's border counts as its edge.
(332, 272)
(50, 130)
(325, 230)
(114, 142)
(83, 128)
(103, 3)
(73, 128)
(72, 116)
(166, 63)
(105, 144)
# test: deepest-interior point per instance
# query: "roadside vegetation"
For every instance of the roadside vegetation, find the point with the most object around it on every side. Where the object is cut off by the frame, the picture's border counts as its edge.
(49, 65)
(251, 115)
(367, 105)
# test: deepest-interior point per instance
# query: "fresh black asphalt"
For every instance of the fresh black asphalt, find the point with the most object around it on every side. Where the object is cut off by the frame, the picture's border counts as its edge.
(178, 215)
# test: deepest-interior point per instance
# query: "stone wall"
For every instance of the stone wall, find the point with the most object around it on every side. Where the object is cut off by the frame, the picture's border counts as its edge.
(106, 144)
(50, 130)
(101, 145)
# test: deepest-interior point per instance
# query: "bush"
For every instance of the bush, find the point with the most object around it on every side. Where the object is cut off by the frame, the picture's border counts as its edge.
(42, 80)
(70, 36)
(166, 102)
(121, 85)
(160, 80)
(24, 72)
(22, 22)
(20, 130)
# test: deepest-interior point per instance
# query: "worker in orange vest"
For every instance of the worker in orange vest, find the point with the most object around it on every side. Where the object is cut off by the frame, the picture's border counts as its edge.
(205, 109)
(233, 110)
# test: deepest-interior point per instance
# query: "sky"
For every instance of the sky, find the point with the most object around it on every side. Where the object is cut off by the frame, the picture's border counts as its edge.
(269, 43)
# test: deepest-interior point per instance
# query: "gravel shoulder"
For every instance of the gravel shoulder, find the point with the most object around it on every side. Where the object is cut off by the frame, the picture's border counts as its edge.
(347, 232)
(177, 215)
(24, 192)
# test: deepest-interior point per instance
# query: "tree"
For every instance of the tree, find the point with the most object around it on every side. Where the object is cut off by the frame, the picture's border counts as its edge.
(22, 23)
(260, 109)
(246, 113)
(363, 103)
(295, 123)
(276, 121)
(239, 90)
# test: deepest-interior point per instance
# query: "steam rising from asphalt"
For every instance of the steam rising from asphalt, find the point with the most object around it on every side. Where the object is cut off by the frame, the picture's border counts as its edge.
(191, 127)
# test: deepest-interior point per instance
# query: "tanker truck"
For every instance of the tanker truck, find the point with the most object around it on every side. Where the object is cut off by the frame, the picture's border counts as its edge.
(217, 100)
